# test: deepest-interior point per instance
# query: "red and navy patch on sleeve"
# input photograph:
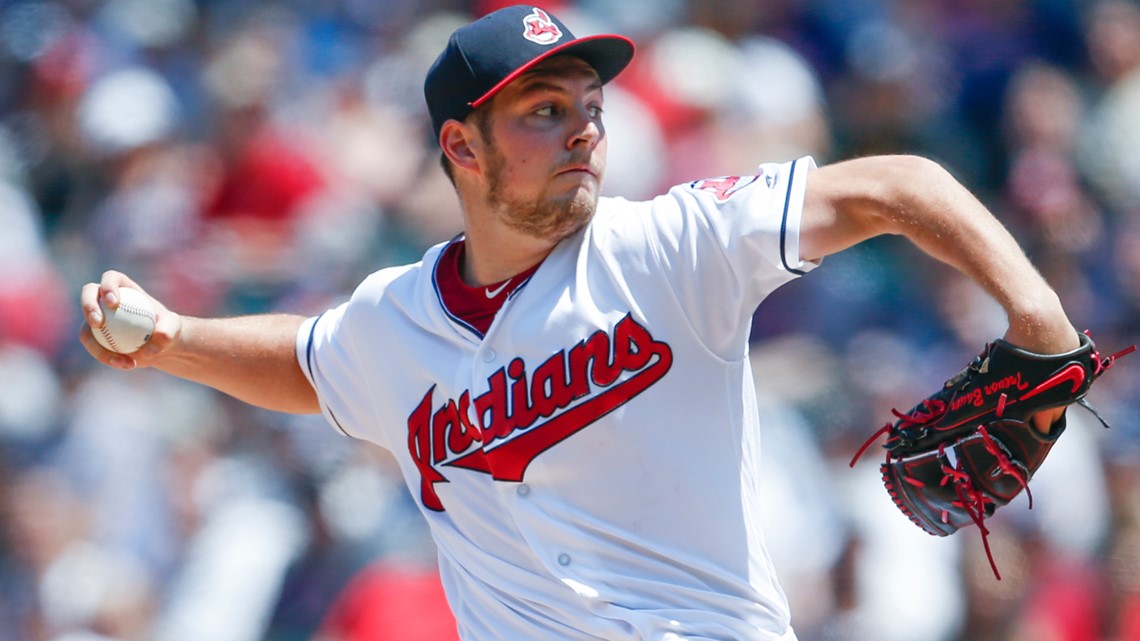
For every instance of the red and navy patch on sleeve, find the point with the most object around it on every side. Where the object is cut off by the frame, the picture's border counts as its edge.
(724, 187)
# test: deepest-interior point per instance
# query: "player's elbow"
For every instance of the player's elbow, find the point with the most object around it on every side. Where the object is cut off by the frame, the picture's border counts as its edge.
(902, 179)
(906, 190)
(922, 173)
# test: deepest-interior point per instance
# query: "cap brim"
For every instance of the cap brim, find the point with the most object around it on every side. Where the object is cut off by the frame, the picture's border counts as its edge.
(607, 54)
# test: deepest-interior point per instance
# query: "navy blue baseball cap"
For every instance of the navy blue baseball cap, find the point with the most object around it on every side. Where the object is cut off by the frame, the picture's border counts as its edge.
(484, 56)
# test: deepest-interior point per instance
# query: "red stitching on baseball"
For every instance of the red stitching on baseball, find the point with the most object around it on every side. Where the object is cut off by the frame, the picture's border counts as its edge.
(110, 339)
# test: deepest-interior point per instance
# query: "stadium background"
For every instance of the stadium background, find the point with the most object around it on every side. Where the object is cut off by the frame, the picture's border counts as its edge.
(242, 157)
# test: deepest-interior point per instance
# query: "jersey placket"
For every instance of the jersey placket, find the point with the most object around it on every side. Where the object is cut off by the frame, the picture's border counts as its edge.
(518, 498)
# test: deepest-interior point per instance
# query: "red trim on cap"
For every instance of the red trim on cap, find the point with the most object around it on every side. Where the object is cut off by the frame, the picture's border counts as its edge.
(534, 61)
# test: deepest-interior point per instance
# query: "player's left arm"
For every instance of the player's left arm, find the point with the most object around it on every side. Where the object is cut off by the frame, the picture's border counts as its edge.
(851, 201)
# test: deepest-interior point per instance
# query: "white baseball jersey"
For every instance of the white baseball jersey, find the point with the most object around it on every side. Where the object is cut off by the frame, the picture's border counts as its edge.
(589, 466)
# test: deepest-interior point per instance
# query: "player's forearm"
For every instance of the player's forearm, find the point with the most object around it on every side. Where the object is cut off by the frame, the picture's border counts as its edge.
(251, 358)
(946, 221)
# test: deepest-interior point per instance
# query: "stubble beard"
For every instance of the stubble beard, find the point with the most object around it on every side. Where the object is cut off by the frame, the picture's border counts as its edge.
(551, 219)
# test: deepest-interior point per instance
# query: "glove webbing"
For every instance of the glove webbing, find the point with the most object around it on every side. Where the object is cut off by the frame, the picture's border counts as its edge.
(972, 500)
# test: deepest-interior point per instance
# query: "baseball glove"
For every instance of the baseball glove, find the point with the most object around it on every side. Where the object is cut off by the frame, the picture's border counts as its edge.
(969, 449)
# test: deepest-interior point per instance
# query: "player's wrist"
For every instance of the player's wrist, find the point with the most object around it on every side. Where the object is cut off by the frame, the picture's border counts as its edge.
(1040, 325)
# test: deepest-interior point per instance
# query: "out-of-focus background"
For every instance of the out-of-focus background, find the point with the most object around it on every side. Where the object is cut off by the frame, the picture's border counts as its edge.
(238, 157)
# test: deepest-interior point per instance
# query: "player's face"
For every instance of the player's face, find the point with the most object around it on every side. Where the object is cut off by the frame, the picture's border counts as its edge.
(546, 153)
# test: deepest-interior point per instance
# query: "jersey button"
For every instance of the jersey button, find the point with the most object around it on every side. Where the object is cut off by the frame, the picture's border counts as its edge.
(489, 355)
(563, 559)
(523, 490)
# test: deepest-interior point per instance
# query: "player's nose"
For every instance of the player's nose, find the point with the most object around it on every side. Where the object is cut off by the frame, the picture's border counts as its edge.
(587, 129)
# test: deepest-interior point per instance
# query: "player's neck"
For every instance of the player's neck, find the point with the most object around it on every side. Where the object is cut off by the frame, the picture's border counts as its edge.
(494, 254)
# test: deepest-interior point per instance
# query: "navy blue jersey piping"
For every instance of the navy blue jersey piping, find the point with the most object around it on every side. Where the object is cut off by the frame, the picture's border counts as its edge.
(784, 222)
(439, 294)
(313, 377)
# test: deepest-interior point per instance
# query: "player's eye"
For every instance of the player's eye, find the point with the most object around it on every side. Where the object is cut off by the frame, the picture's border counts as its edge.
(595, 111)
(546, 111)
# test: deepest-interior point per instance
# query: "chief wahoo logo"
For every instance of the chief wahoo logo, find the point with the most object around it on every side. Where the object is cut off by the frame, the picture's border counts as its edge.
(540, 29)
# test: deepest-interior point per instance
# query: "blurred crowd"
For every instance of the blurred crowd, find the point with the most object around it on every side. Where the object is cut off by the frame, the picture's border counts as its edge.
(238, 157)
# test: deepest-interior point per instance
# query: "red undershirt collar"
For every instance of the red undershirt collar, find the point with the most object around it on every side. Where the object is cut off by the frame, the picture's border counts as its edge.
(475, 306)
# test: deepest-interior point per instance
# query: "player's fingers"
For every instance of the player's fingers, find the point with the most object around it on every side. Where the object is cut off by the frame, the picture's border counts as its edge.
(89, 304)
(105, 356)
(109, 286)
(97, 298)
(167, 328)
(1043, 421)
(105, 292)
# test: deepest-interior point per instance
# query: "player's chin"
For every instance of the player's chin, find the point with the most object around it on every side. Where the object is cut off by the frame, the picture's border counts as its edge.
(563, 216)
(583, 195)
(577, 216)
(581, 202)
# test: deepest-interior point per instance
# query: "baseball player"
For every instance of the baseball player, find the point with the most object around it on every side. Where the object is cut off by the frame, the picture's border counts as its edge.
(566, 384)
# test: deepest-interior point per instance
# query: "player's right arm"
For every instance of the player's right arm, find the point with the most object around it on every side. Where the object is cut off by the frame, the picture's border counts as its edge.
(252, 358)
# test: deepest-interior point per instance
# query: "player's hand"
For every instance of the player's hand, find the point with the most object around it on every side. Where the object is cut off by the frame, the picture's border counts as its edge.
(167, 327)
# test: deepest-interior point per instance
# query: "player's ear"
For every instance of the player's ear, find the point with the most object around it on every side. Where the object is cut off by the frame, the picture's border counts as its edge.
(459, 144)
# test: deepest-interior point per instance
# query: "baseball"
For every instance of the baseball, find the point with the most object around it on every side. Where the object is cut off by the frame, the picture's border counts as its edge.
(129, 326)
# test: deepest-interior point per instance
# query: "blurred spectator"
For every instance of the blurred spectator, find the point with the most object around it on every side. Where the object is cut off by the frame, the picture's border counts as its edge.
(386, 601)
(1111, 153)
(741, 120)
(32, 298)
(1045, 191)
(67, 583)
(1046, 198)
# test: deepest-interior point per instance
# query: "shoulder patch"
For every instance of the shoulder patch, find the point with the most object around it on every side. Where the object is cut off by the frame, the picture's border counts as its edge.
(724, 187)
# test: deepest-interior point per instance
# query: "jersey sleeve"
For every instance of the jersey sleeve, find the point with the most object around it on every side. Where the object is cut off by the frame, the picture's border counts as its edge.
(325, 353)
(728, 242)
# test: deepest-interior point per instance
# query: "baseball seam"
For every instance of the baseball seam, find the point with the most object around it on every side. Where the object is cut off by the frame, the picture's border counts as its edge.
(135, 309)
(110, 339)
(131, 309)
